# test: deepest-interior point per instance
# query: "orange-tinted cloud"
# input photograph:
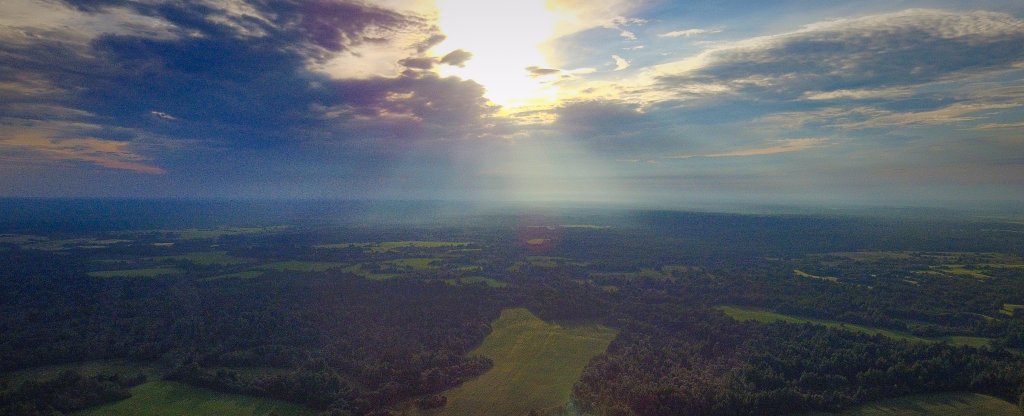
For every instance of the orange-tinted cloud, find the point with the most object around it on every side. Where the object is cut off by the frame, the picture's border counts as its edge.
(107, 153)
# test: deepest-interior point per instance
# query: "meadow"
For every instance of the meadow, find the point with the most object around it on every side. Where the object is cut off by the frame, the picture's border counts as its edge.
(536, 364)
(765, 316)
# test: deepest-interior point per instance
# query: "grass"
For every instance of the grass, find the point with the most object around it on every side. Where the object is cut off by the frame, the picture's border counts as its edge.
(1010, 308)
(151, 272)
(301, 266)
(476, 279)
(960, 270)
(395, 245)
(740, 313)
(936, 404)
(165, 398)
(808, 275)
(535, 366)
(206, 258)
(425, 263)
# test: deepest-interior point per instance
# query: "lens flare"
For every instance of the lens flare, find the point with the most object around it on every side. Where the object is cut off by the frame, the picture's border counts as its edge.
(504, 38)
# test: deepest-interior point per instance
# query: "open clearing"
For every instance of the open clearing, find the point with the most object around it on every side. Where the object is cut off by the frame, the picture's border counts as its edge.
(535, 365)
(165, 398)
(416, 263)
(802, 273)
(152, 272)
(938, 404)
(741, 313)
(1010, 308)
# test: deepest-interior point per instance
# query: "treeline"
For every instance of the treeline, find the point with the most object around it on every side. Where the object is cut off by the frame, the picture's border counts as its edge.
(697, 363)
(68, 392)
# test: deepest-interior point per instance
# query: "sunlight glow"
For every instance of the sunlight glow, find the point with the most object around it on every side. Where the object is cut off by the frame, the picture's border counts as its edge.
(504, 38)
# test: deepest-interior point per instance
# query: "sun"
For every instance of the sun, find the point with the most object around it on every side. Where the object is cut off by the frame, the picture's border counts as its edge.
(504, 38)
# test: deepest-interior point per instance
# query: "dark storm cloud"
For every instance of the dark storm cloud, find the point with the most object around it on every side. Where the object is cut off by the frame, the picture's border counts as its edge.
(898, 49)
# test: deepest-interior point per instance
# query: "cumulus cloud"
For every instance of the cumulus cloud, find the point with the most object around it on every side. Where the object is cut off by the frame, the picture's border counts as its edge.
(620, 62)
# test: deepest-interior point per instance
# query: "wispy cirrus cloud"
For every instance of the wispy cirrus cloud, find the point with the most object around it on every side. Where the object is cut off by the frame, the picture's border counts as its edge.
(778, 146)
(685, 33)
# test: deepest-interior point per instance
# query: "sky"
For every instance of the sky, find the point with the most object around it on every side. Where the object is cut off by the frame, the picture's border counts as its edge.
(894, 102)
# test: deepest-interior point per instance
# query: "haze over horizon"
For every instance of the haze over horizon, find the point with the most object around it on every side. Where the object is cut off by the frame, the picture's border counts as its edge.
(902, 103)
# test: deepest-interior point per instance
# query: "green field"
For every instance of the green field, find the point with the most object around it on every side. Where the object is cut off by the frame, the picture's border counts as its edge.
(811, 276)
(302, 266)
(535, 365)
(1010, 308)
(165, 398)
(740, 313)
(476, 279)
(206, 258)
(416, 263)
(151, 272)
(395, 245)
(938, 404)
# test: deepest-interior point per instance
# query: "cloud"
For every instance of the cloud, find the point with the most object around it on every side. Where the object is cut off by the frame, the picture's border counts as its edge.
(620, 63)
(906, 48)
(537, 72)
(336, 25)
(782, 146)
(688, 33)
(33, 143)
(1000, 126)
(162, 115)
(869, 117)
(457, 57)
(423, 63)
(858, 94)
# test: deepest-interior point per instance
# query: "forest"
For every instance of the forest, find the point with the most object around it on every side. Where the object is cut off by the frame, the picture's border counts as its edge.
(361, 317)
